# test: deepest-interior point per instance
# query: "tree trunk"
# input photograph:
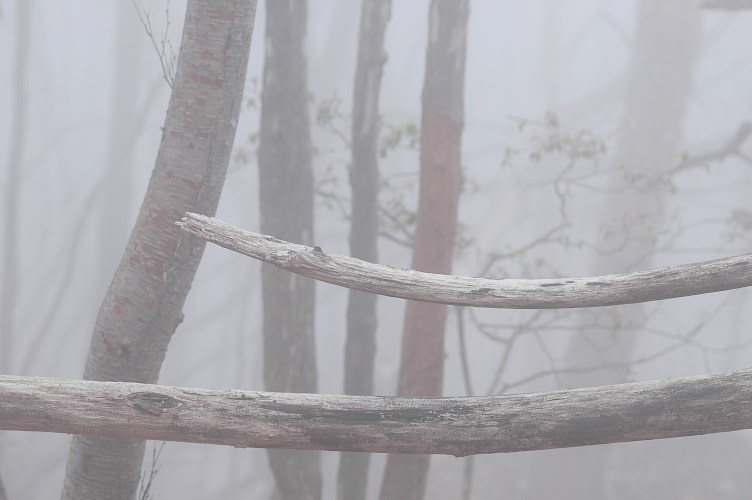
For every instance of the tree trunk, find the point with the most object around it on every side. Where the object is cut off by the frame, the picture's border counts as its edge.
(12, 189)
(657, 93)
(422, 361)
(143, 305)
(660, 80)
(360, 347)
(286, 199)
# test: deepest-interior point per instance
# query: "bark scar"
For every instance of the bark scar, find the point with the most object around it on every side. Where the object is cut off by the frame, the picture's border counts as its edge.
(152, 403)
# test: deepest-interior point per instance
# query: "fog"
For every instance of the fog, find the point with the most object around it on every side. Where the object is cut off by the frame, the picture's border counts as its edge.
(552, 92)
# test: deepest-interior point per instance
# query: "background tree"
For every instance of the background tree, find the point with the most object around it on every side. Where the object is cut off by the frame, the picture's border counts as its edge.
(360, 346)
(658, 85)
(286, 203)
(143, 305)
(11, 188)
(422, 360)
(525, 59)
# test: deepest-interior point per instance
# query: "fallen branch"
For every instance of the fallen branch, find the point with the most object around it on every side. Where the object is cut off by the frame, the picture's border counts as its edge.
(630, 288)
(454, 426)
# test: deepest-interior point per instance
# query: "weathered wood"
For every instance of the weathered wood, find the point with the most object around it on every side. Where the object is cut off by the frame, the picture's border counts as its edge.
(455, 426)
(314, 262)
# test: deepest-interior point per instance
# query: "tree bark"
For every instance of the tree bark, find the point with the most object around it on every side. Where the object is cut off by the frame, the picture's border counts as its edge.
(143, 305)
(360, 347)
(552, 293)
(422, 360)
(659, 409)
(286, 202)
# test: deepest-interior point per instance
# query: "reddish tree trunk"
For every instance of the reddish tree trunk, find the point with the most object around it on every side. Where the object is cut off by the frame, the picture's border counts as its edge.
(422, 362)
(143, 305)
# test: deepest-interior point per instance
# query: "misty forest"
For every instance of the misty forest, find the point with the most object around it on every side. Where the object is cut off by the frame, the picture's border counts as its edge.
(434, 249)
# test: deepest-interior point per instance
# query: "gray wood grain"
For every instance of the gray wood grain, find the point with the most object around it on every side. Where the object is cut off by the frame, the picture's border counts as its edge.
(315, 262)
(455, 426)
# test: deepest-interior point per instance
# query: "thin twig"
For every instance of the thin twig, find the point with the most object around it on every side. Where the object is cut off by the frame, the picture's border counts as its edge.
(166, 61)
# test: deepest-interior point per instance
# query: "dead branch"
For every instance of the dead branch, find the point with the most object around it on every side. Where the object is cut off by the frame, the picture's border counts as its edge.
(643, 286)
(454, 426)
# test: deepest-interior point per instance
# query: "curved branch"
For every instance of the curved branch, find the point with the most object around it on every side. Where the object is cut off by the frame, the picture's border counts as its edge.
(454, 426)
(644, 286)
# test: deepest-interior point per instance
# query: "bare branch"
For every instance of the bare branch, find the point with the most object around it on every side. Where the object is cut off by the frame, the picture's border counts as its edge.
(163, 48)
(629, 288)
(454, 426)
(732, 148)
(544, 238)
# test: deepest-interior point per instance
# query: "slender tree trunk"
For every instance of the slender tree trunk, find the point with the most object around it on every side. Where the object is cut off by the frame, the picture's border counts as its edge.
(657, 93)
(286, 199)
(12, 188)
(658, 89)
(143, 305)
(422, 361)
(360, 347)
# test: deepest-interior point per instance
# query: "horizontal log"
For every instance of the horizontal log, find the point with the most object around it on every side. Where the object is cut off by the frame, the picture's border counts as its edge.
(314, 262)
(455, 426)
